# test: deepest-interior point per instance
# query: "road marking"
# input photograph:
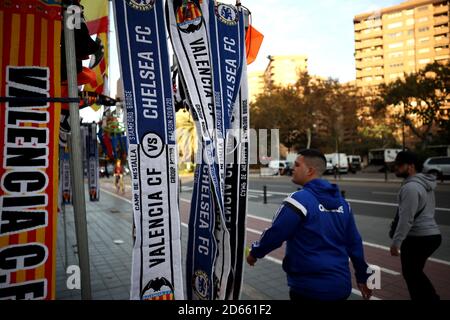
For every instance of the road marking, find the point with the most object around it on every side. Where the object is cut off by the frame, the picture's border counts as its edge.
(254, 231)
(259, 218)
(385, 193)
(374, 245)
(389, 204)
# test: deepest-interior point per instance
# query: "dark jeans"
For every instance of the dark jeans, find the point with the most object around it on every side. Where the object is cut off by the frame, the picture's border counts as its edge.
(414, 253)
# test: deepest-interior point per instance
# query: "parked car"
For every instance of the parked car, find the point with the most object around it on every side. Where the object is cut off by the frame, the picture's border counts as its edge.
(439, 166)
(281, 167)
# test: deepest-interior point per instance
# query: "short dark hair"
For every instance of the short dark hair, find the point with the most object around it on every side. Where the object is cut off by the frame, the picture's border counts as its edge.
(318, 159)
(409, 157)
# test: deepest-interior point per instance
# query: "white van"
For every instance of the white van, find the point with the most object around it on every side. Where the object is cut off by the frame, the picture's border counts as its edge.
(337, 160)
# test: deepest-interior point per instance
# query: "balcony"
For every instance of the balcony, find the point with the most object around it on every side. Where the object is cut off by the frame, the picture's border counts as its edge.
(364, 54)
(441, 29)
(441, 41)
(369, 43)
(440, 9)
(441, 19)
(361, 35)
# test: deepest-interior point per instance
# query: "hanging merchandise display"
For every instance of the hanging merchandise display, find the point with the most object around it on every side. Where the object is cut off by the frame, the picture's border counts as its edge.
(66, 187)
(209, 44)
(227, 43)
(188, 22)
(92, 161)
(30, 62)
(145, 69)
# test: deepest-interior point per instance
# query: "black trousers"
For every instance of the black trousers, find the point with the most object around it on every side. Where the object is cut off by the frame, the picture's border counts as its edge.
(414, 253)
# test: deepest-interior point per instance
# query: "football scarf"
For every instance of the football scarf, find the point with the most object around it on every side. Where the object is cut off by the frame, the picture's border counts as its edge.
(152, 152)
(227, 42)
(92, 161)
(208, 252)
(30, 63)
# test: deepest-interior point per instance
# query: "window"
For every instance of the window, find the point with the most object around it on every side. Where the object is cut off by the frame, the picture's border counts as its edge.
(409, 12)
(424, 61)
(424, 40)
(440, 161)
(422, 19)
(410, 32)
(395, 45)
(423, 8)
(394, 55)
(411, 63)
(424, 29)
(395, 34)
(394, 25)
(394, 15)
(409, 22)
(424, 50)
(410, 52)
(395, 75)
(396, 65)
(410, 42)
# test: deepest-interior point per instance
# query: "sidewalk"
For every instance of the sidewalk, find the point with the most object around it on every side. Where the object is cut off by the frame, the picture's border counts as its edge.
(110, 245)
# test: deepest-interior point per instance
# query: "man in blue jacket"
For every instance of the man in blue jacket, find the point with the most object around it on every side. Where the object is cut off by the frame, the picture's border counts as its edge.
(321, 235)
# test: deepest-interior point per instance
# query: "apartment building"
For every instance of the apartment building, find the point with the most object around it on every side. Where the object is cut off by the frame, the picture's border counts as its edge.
(399, 39)
(284, 70)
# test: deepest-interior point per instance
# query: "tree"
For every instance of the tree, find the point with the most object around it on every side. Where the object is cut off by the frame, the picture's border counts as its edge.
(421, 97)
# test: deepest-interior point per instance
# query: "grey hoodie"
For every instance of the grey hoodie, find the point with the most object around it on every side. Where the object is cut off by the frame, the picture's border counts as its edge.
(416, 192)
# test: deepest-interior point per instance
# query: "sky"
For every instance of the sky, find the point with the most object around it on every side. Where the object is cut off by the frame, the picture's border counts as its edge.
(320, 29)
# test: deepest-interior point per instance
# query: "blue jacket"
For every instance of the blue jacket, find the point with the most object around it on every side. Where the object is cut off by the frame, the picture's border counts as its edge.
(321, 235)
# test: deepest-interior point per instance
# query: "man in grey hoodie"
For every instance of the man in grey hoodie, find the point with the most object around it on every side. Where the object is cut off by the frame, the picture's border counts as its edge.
(417, 234)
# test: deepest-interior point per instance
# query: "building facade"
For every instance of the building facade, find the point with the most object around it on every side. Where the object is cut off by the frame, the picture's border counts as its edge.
(400, 39)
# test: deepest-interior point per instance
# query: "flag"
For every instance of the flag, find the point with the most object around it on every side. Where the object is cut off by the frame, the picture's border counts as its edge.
(96, 14)
(30, 62)
(253, 41)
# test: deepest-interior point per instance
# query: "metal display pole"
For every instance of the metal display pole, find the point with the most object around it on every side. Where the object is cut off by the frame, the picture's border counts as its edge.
(79, 205)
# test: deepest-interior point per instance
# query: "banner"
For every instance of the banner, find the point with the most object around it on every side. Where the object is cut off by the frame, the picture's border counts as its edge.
(30, 62)
(152, 153)
(227, 42)
(92, 161)
(208, 252)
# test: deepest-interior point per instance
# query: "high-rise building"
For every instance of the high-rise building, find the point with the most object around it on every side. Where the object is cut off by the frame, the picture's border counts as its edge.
(284, 70)
(255, 84)
(400, 39)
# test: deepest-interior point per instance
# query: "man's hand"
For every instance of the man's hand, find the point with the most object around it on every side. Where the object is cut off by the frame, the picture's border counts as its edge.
(251, 260)
(365, 291)
(395, 251)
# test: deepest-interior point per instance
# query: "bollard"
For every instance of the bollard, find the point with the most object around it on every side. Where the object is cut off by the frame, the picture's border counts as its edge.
(265, 194)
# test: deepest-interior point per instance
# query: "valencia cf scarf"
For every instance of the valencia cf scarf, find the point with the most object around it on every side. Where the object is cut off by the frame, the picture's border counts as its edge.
(208, 252)
(152, 152)
(30, 62)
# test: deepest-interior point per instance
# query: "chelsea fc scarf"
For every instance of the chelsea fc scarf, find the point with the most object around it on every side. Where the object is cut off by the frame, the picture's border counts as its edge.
(152, 153)
(227, 42)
